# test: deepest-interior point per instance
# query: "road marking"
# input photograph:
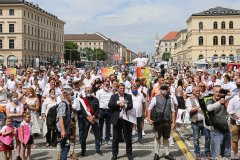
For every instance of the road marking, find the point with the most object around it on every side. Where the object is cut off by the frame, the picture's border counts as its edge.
(102, 149)
(182, 146)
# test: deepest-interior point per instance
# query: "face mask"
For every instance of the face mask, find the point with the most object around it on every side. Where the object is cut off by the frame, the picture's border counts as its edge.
(72, 98)
(15, 100)
(105, 88)
(134, 92)
(52, 95)
(164, 93)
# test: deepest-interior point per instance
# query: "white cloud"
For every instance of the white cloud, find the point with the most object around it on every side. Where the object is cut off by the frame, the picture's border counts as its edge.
(131, 22)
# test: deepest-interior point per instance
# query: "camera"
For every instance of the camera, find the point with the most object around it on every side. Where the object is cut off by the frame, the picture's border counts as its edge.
(223, 92)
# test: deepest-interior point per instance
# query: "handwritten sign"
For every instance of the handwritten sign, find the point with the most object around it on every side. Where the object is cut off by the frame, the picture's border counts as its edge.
(130, 116)
(10, 71)
(183, 116)
(7, 139)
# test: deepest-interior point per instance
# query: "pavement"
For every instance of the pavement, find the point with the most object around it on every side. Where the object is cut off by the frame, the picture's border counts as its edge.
(182, 150)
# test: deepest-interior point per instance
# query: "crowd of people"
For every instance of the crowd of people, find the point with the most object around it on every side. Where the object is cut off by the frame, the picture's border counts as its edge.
(71, 101)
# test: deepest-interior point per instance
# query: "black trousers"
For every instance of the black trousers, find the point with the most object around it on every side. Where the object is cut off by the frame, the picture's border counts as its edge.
(126, 127)
(51, 136)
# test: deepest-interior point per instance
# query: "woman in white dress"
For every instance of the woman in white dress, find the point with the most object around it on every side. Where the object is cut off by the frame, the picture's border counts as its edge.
(31, 103)
(49, 131)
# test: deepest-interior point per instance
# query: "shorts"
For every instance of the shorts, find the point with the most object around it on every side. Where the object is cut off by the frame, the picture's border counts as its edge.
(235, 129)
(162, 129)
(7, 147)
(30, 141)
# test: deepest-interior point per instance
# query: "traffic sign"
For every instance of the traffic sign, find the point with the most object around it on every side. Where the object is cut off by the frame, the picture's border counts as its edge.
(116, 57)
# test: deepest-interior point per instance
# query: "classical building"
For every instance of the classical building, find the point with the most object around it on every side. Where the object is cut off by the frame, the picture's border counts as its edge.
(98, 40)
(28, 32)
(212, 35)
(166, 45)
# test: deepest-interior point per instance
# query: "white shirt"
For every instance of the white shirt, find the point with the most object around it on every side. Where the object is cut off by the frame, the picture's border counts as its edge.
(154, 102)
(47, 89)
(141, 62)
(127, 86)
(234, 106)
(88, 82)
(229, 86)
(138, 102)
(189, 107)
(11, 85)
(103, 98)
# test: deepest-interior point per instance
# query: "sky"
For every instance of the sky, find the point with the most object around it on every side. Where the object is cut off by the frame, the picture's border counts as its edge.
(134, 23)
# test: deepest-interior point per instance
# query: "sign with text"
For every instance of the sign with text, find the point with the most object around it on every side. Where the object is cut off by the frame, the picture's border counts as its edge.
(106, 72)
(144, 72)
(10, 71)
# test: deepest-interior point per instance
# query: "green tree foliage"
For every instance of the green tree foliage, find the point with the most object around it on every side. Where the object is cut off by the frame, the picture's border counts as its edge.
(71, 48)
(96, 54)
(166, 56)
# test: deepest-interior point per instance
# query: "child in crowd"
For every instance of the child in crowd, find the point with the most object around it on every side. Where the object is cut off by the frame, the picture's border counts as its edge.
(6, 136)
(26, 122)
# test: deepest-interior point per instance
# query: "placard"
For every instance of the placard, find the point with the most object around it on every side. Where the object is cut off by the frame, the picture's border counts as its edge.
(10, 71)
(130, 116)
(26, 133)
(106, 72)
(144, 72)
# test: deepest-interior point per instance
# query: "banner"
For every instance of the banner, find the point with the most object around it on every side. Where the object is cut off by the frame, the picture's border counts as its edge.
(183, 116)
(10, 71)
(144, 72)
(106, 72)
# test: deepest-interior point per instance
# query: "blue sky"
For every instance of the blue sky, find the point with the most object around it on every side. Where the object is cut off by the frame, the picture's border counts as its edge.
(134, 23)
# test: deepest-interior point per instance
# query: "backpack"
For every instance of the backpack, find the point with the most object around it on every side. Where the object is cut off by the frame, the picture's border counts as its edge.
(51, 119)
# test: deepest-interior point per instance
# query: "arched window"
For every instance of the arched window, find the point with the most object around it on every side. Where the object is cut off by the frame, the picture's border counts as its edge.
(1, 60)
(223, 25)
(215, 25)
(223, 56)
(215, 56)
(200, 41)
(215, 40)
(231, 57)
(231, 25)
(200, 25)
(11, 60)
(200, 56)
(231, 40)
(223, 40)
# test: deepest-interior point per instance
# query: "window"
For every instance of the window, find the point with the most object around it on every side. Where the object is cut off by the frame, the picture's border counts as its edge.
(25, 44)
(11, 43)
(223, 25)
(24, 13)
(200, 25)
(231, 40)
(200, 41)
(223, 56)
(231, 57)
(223, 40)
(24, 28)
(200, 56)
(1, 44)
(231, 25)
(89, 43)
(11, 28)
(215, 25)
(11, 12)
(215, 56)
(0, 28)
(165, 49)
(0, 12)
(215, 40)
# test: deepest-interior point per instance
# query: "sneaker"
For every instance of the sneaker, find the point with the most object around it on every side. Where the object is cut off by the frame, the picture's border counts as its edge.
(171, 142)
(58, 156)
(107, 143)
(143, 133)
(156, 157)
(134, 132)
(169, 157)
(34, 146)
(73, 156)
(47, 145)
(99, 153)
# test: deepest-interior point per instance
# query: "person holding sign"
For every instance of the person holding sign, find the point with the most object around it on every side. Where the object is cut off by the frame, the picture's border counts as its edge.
(119, 103)
(7, 133)
(140, 61)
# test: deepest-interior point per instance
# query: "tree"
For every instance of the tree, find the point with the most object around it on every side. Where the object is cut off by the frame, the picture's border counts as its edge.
(71, 48)
(96, 54)
(166, 56)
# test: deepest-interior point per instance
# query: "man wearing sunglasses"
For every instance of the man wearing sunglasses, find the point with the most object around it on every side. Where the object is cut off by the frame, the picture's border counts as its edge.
(103, 95)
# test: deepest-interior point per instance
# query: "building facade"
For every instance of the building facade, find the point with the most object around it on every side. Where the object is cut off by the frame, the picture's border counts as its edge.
(212, 35)
(99, 41)
(28, 32)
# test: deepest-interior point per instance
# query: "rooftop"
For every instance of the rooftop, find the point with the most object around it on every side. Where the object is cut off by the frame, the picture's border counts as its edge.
(84, 36)
(170, 36)
(218, 11)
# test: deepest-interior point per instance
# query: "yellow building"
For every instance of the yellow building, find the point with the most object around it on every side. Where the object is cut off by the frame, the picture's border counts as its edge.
(213, 35)
(28, 32)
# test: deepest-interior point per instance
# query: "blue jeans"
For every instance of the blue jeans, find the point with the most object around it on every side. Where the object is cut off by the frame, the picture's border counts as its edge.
(197, 127)
(104, 115)
(139, 128)
(220, 143)
(65, 147)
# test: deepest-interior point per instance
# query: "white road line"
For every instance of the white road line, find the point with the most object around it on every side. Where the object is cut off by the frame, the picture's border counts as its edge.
(104, 149)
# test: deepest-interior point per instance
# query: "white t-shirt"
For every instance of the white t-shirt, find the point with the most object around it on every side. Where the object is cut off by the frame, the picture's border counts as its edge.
(11, 85)
(88, 82)
(141, 62)
(138, 104)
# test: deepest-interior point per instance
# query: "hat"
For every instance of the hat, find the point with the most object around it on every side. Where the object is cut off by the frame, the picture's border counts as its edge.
(68, 89)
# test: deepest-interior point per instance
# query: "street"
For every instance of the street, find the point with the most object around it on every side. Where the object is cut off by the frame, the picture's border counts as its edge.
(183, 148)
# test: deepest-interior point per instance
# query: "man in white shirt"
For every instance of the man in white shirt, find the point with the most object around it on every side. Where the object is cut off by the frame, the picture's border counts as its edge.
(141, 62)
(233, 110)
(197, 122)
(88, 81)
(126, 82)
(227, 84)
(139, 103)
(104, 95)
(11, 83)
